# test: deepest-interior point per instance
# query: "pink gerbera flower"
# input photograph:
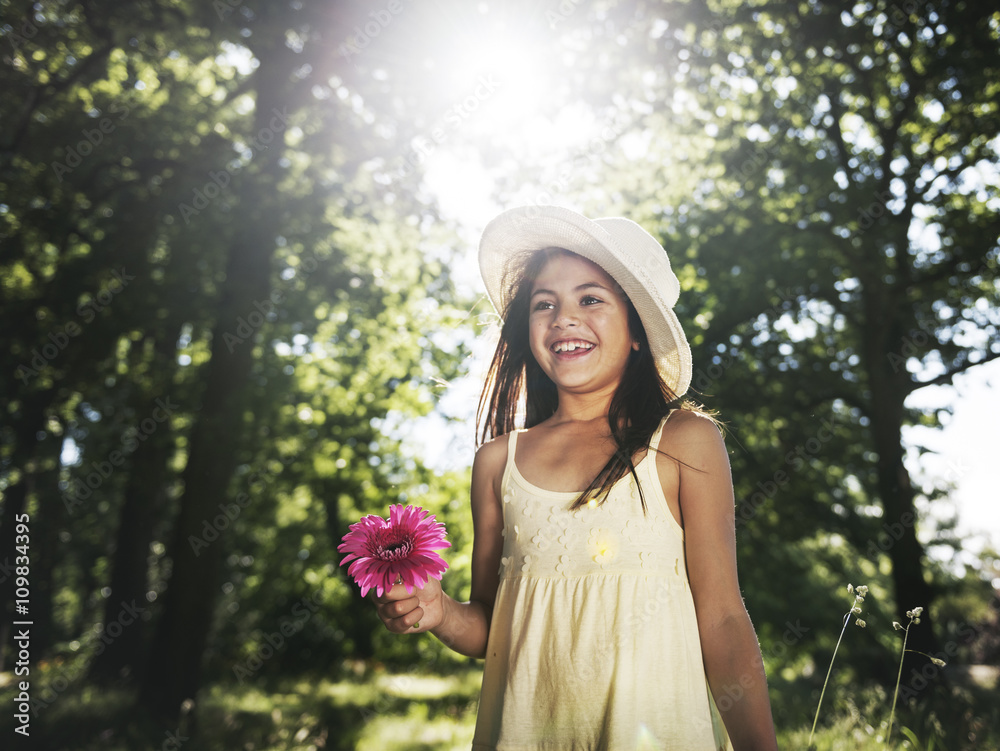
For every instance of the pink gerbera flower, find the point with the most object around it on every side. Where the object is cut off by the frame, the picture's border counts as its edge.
(398, 550)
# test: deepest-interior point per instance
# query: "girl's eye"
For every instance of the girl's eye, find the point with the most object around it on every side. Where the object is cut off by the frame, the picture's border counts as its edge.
(543, 305)
(590, 300)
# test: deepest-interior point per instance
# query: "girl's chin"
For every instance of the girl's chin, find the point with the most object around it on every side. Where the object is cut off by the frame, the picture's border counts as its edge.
(583, 383)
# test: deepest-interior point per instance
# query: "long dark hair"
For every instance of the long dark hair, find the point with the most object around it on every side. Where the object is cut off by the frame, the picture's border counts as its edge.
(640, 402)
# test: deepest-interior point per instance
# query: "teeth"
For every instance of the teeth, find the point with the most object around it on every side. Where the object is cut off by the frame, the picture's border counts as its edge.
(570, 346)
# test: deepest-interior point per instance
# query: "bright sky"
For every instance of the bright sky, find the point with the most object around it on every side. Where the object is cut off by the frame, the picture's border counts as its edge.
(967, 450)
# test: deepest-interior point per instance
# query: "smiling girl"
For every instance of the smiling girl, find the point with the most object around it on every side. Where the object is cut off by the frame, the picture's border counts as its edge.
(605, 597)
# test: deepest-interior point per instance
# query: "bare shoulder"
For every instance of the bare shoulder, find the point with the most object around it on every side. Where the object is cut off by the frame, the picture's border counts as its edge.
(489, 464)
(688, 426)
(492, 455)
(694, 438)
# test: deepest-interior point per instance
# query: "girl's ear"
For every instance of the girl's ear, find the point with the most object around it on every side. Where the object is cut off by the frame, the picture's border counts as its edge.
(635, 346)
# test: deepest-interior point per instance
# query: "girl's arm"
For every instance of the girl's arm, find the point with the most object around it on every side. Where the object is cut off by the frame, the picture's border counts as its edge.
(463, 626)
(729, 645)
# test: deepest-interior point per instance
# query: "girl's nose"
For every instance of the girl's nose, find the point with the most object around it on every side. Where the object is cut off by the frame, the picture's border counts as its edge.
(565, 319)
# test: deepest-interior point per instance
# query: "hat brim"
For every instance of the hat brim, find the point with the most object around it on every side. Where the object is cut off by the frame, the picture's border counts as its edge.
(629, 255)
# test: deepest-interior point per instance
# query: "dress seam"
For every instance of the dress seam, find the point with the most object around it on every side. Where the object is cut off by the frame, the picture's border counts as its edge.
(664, 576)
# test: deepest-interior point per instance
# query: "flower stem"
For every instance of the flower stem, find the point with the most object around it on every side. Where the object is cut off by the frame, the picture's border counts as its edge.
(847, 619)
(899, 676)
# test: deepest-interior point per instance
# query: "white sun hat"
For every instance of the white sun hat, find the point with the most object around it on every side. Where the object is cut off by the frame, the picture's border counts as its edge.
(629, 255)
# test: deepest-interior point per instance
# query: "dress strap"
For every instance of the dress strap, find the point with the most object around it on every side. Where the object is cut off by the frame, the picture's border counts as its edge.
(509, 466)
(652, 478)
(654, 440)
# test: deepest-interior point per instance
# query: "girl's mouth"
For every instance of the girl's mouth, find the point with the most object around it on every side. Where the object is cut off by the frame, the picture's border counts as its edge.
(572, 347)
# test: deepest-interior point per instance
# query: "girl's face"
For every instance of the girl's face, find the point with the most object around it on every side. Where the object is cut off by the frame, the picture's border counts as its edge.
(578, 325)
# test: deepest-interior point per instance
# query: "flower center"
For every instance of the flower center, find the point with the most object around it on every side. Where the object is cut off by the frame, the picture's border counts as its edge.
(392, 545)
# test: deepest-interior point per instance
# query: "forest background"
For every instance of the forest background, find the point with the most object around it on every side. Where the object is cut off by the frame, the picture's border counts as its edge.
(236, 318)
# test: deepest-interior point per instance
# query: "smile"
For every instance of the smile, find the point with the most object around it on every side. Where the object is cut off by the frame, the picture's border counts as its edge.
(572, 345)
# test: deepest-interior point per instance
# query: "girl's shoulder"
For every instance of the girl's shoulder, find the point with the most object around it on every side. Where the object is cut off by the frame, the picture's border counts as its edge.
(688, 433)
(691, 420)
(494, 450)
(491, 460)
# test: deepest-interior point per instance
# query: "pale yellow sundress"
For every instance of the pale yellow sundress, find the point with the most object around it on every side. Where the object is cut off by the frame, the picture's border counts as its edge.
(594, 641)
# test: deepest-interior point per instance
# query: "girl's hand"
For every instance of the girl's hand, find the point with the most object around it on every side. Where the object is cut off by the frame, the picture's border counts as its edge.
(404, 613)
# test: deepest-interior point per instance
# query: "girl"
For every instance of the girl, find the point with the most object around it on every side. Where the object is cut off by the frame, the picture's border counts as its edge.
(609, 617)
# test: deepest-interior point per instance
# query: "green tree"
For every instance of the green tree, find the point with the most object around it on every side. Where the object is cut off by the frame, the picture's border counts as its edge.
(845, 221)
(191, 189)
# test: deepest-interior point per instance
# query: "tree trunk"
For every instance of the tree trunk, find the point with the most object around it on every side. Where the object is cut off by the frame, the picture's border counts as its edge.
(123, 657)
(890, 383)
(174, 671)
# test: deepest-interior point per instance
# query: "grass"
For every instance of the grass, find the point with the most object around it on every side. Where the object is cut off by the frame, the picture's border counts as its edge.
(372, 709)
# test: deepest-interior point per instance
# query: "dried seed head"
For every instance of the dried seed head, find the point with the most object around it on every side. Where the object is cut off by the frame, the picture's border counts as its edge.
(861, 623)
(896, 625)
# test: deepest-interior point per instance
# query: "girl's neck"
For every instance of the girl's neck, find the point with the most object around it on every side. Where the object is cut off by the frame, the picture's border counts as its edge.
(581, 407)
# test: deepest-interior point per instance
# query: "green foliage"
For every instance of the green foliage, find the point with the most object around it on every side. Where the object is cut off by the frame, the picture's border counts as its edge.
(133, 161)
(824, 180)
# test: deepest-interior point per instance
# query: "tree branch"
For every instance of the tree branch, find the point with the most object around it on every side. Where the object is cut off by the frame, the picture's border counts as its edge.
(946, 378)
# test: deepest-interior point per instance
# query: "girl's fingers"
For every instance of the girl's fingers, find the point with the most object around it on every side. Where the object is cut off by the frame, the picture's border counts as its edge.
(397, 592)
(401, 608)
(405, 623)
